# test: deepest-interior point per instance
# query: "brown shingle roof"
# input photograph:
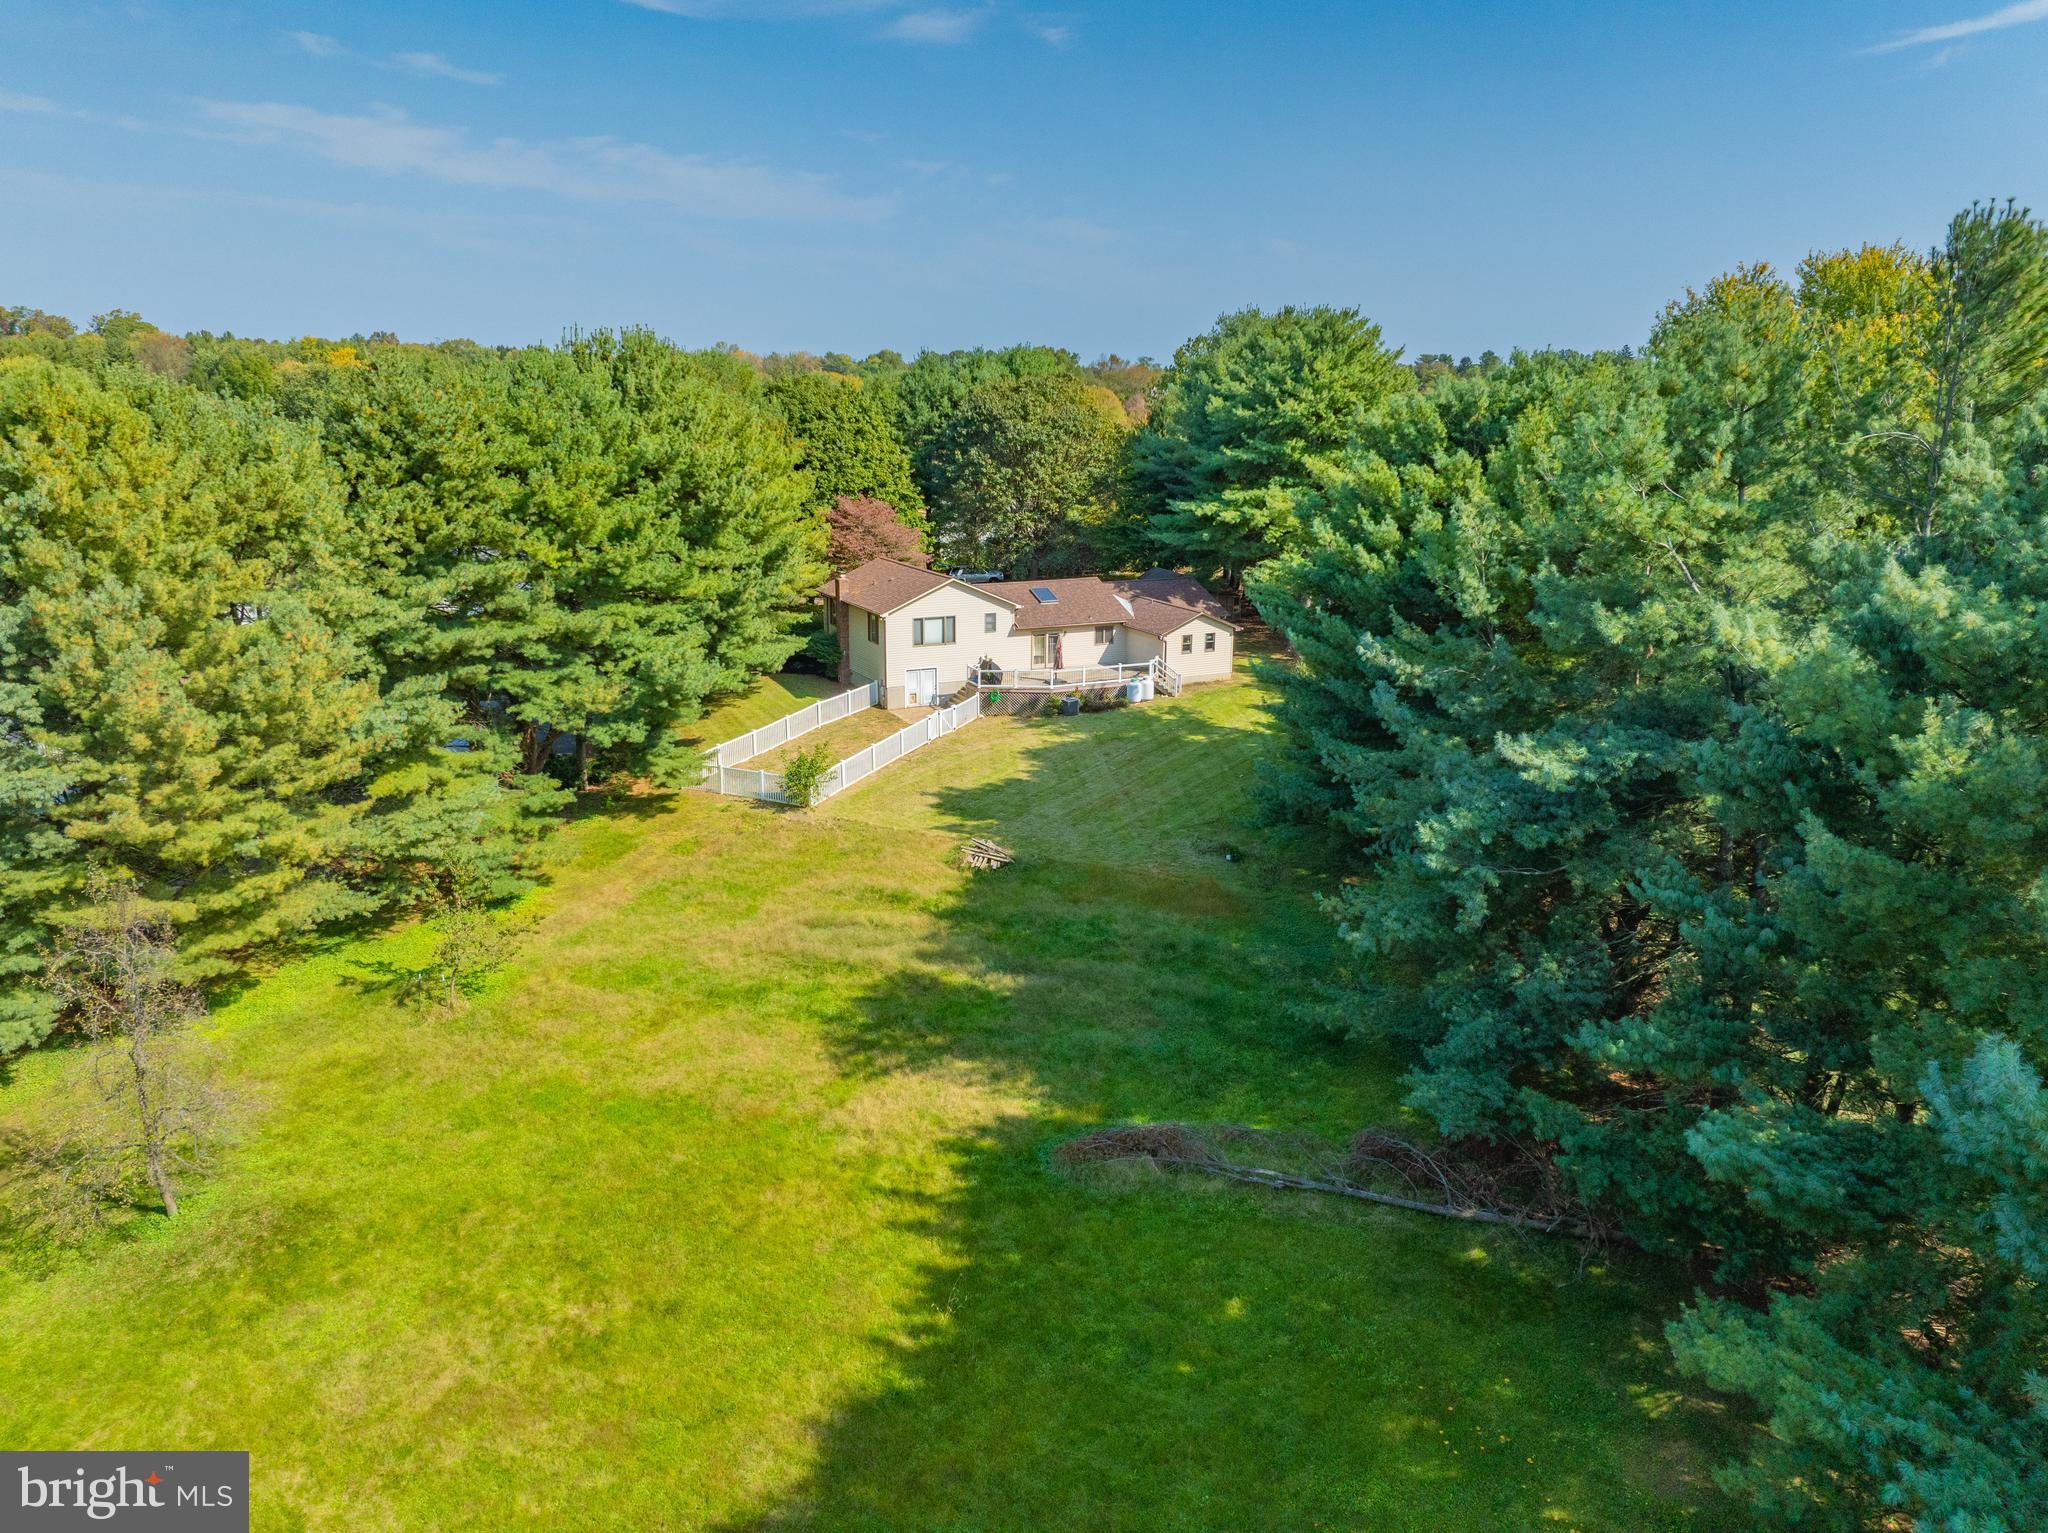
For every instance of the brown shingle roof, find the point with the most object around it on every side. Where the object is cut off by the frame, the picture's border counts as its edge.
(1175, 590)
(1164, 617)
(1080, 601)
(883, 585)
(1157, 602)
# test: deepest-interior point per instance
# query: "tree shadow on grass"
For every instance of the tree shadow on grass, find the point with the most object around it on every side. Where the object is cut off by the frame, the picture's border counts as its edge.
(1123, 1349)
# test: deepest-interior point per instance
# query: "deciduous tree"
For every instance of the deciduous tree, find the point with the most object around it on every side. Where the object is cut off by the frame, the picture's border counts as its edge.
(846, 441)
(860, 529)
(1025, 475)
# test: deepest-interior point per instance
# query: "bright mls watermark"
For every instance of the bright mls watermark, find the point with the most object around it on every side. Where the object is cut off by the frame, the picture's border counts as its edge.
(162, 1492)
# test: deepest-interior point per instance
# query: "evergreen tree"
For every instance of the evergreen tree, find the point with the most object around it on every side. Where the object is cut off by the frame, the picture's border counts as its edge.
(435, 589)
(579, 546)
(1684, 715)
(846, 441)
(711, 551)
(172, 700)
(1246, 420)
(1895, 1119)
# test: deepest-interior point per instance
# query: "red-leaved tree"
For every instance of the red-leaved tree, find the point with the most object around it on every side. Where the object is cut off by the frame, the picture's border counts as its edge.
(860, 529)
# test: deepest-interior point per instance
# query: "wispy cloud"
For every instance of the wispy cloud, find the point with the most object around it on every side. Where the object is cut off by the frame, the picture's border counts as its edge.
(501, 236)
(936, 26)
(321, 46)
(1949, 31)
(603, 170)
(1054, 34)
(434, 64)
(41, 106)
(902, 21)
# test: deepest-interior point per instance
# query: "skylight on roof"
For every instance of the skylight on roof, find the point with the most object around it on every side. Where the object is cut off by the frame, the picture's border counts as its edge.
(1044, 593)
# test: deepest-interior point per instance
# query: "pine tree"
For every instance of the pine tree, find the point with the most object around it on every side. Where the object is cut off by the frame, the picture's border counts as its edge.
(1684, 714)
(175, 704)
(1240, 425)
(694, 578)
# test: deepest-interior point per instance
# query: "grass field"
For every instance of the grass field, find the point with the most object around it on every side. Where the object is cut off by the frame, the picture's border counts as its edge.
(727, 1205)
(770, 698)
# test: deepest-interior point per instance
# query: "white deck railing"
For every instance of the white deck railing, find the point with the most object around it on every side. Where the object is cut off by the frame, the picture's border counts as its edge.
(1065, 678)
(827, 710)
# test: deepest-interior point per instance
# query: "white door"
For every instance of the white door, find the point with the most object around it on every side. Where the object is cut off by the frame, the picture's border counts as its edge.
(920, 686)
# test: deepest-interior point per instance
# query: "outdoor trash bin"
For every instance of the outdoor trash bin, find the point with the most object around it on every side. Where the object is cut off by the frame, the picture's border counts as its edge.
(1070, 704)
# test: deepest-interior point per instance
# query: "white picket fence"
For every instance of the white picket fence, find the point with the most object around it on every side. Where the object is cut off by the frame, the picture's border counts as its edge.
(940, 721)
(827, 710)
(752, 782)
(744, 782)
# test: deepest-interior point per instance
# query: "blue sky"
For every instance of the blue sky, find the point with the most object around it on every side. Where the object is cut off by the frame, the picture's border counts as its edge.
(853, 174)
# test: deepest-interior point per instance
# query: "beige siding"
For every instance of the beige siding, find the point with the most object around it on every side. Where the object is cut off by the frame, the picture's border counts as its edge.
(969, 610)
(865, 657)
(1078, 647)
(1197, 663)
(1140, 647)
(896, 654)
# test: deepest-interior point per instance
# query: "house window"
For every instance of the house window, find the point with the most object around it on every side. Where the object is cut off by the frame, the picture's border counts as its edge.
(1187, 644)
(1105, 634)
(988, 622)
(931, 630)
(1209, 642)
(874, 629)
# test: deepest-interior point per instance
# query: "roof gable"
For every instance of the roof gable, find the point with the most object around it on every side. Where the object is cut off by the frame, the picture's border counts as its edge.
(1157, 602)
(883, 585)
(1176, 590)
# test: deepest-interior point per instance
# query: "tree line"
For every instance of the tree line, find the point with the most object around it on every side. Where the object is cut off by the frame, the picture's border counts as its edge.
(343, 650)
(1683, 719)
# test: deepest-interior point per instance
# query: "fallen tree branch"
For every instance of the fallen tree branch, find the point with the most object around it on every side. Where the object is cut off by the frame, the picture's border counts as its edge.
(1260, 1176)
(1473, 1194)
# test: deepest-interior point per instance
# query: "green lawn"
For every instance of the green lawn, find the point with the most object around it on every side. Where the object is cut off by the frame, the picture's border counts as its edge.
(728, 1207)
(842, 737)
(770, 698)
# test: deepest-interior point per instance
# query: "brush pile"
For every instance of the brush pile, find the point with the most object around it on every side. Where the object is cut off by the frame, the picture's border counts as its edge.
(984, 855)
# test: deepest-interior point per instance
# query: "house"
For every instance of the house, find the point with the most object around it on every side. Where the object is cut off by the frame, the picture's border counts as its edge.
(921, 632)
